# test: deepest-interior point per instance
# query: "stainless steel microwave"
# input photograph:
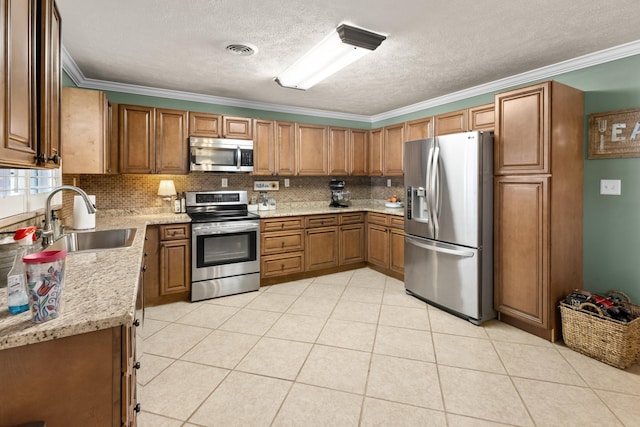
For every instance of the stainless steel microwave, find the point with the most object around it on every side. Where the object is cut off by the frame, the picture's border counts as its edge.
(220, 155)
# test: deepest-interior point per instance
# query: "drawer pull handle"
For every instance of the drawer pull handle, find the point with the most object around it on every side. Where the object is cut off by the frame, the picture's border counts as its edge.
(282, 267)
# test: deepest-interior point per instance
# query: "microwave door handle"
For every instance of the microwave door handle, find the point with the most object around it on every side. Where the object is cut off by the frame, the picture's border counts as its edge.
(238, 157)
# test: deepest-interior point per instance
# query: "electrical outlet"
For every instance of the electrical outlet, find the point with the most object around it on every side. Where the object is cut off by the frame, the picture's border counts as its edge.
(388, 182)
(225, 182)
(286, 182)
(610, 187)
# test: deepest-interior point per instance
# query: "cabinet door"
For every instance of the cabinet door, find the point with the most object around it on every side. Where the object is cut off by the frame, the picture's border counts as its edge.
(482, 117)
(396, 250)
(378, 245)
(50, 83)
(453, 122)
(321, 248)
(85, 131)
(175, 267)
(358, 152)
(285, 148)
(136, 139)
(312, 149)
(418, 129)
(18, 146)
(151, 265)
(521, 240)
(237, 127)
(172, 143)
(49, 91)
(204, 124)
(375, 152)
(264, 147)
(393, 155)
(522, 132)
(339, 152)
(352, 244)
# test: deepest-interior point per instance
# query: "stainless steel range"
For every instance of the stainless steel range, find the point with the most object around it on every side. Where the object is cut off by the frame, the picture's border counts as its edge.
(225, 244)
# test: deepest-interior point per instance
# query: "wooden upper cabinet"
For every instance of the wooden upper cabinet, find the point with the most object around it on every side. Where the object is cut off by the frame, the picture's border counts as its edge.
(264, 147)
(453, 122)
(359, 152)
(18, 115)
(482, 117)
(418, 129)
(50, 84)
(312, 149)
(237, 127)
(375, 152)
(393, 154)
(339, 153)
(172, 142)
(522, 134)
(205, 124)
(285, 148)
(86, 132)
(136, 138)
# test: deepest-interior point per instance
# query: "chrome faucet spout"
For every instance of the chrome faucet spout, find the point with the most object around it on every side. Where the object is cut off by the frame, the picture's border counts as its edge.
(47, 231)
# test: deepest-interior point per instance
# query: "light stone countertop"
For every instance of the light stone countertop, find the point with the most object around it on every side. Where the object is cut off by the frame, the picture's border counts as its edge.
(100, 288)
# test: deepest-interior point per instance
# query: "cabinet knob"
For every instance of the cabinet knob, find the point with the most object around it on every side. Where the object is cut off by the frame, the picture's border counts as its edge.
(136, 323)
(41, 158)
(55, 159)
(146, 254)
(136, 365)
(144, 268)
(137, 408)
(109, 170)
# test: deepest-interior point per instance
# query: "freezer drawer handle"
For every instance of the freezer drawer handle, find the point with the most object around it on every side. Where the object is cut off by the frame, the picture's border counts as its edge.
(414, 242)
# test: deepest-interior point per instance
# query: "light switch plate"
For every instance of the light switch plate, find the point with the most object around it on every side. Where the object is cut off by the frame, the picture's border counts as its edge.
(286, 182)
(610, 187)
(225, 182)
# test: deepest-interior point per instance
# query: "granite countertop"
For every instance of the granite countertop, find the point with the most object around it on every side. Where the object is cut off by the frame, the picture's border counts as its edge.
(100, 287)
(317, 208)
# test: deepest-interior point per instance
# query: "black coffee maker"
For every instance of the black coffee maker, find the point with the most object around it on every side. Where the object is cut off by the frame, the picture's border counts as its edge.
(339, 197)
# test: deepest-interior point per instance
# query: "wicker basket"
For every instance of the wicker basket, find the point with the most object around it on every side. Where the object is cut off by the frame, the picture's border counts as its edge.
(591, 333)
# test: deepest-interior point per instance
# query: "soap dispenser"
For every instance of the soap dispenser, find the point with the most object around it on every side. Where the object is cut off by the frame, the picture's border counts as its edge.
(18, 300)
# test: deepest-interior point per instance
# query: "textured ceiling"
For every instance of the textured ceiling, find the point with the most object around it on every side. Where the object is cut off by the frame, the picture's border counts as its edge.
(433, 48)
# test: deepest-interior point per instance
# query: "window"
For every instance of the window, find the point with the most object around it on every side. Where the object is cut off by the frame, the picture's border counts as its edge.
(26, 190)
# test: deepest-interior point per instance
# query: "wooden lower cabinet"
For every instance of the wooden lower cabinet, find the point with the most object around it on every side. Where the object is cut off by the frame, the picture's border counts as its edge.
(167, 264)
(351, 244)
(385, 243)
(281, 264)
(82, 380)
(321, 248)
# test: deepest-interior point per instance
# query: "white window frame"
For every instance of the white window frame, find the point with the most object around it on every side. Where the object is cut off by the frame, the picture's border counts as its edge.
(21, 202)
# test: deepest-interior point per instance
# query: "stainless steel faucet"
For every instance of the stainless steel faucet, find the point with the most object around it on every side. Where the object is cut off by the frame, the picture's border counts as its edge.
(48, 236)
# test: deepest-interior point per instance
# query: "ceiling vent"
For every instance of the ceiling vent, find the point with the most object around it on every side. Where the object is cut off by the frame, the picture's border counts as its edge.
(242, 49)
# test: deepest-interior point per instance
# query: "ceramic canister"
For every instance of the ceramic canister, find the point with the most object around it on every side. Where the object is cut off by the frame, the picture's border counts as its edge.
(45, 276)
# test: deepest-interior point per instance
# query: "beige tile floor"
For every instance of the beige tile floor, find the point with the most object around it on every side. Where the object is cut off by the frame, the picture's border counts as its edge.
(353, 349)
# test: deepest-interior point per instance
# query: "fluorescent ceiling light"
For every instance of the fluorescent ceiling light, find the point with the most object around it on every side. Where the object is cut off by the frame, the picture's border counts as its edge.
(339, 49)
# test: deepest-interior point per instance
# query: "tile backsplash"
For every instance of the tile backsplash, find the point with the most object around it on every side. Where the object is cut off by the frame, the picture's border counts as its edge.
(116, 192)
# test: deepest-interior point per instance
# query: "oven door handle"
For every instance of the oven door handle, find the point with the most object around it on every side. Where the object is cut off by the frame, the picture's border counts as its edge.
(223, 229)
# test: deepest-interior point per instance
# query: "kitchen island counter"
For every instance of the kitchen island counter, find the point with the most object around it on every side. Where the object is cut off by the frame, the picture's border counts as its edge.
(99, 288)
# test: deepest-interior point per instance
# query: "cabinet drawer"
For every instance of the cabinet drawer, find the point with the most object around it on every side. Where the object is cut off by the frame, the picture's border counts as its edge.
(377, 218)
(279, 265)
(396, 221)
(281, 224)
(321, 221)
(273, 243)
(174, 231)
(351, 218)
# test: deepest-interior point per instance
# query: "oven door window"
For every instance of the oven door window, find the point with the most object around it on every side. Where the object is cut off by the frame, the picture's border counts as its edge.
(220, 249)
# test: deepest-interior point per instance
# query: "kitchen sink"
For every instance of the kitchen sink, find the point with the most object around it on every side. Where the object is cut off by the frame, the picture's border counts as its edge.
(78, 241)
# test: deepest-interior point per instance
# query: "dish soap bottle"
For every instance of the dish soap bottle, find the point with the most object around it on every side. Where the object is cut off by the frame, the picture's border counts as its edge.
(16, 279)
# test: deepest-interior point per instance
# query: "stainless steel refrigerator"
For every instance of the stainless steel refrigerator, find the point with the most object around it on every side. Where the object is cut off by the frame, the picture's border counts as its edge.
(449, 223)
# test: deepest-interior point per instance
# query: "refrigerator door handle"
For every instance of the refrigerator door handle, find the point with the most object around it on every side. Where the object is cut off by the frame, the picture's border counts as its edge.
(434, 191)
(415, 242)
(427, 197)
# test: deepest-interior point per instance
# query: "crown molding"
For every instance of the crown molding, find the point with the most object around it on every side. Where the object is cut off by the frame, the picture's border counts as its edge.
(596, 58)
